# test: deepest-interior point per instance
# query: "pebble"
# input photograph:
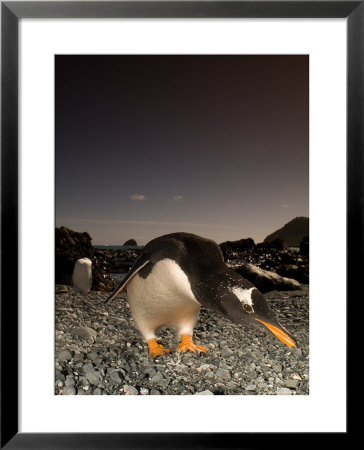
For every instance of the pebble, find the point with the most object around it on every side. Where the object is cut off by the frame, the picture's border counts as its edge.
(250, 387)
(226, 352)
(223, 374)
(240, 361)
(69, 390)
(78, 357)
(92, 355)
(157, 378)
(115, 377)
(277, 368)
(130, 390)
(82, 392)
(60, 376)
(64, 355)
(83, 332)
(290, 383)
(283, 391)
(94, 377)
(154, 392)
(70, 381)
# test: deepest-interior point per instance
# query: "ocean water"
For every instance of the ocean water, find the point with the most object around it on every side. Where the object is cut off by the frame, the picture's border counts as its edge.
(119, 247)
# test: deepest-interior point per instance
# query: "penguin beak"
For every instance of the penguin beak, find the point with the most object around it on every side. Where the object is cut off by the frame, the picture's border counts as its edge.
(280, 334)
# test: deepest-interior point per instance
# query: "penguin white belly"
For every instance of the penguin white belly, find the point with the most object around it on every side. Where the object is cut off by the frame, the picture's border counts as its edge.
(163, 298)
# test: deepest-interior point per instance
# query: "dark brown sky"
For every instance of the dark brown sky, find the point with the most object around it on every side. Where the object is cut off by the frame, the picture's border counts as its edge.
(147, 145)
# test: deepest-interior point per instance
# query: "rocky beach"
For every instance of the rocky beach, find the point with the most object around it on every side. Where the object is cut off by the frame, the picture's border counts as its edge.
(98, 350)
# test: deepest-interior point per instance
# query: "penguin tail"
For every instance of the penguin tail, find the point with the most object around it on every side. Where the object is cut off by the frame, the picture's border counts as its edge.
(138, 265)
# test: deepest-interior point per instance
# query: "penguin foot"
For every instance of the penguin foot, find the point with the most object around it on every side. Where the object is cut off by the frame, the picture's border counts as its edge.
(156, 349)
(188, 344)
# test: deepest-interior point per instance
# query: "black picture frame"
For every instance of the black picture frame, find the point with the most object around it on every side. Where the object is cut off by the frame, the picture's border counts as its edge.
(11, 12)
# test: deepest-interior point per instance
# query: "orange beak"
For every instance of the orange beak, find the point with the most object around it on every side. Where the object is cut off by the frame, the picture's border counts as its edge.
(281, 335)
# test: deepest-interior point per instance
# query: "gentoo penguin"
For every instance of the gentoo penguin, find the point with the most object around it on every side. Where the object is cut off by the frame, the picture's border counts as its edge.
(177, 274)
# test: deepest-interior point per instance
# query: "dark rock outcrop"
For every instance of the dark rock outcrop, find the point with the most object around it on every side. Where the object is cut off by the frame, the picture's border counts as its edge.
(276, 243)
(72, 245)
(237, 246)
(304, 246)
(266, 280)
(130, 243)
(291, 233)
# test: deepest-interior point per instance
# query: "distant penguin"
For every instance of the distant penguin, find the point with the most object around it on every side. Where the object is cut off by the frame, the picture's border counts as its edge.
(82, 275)
(177, 274)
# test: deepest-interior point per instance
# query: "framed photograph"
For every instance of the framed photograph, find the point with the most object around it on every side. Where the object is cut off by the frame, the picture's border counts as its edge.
(185, 150)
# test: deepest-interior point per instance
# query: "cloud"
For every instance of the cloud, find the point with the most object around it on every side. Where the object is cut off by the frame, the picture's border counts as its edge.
(284, 205)
(138, 197)
(177, 198)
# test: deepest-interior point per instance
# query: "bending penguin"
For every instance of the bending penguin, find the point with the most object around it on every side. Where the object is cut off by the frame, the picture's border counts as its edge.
(177, 274)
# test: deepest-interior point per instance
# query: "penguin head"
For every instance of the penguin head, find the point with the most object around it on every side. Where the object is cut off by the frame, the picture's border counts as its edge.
(243, 303)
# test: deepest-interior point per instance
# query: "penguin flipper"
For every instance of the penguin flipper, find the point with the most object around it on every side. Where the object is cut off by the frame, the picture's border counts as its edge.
(138, 265)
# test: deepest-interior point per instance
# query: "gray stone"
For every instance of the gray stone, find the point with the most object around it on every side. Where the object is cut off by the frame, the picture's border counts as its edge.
(144, 391)
(97, 391)
(290, 383)
(83, 392)
(226, 352)
(64, 355)
(277, 368)
(59, 376)
(78, 357)
(84, 332)
(250, 387)
(207, 392)
(130, 390)
(283, 391)
(69, 390)
(115, 377)
(94, 377)
(88, 367)
(164, 382)
(157, 378)
(70, 381)
(92, 355)
(223, 374)
(154, 392)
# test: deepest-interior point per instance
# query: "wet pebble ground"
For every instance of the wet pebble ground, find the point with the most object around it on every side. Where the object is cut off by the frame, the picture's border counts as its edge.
(98, 351)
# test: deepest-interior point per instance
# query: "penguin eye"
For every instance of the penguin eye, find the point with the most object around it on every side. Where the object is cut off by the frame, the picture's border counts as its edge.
(247, 308)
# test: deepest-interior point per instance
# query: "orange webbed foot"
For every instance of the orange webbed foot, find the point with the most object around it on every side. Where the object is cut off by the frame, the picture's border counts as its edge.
(188, 344)
(156, 349)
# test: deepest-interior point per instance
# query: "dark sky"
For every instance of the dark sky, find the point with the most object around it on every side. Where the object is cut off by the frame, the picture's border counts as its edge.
(148, 145)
